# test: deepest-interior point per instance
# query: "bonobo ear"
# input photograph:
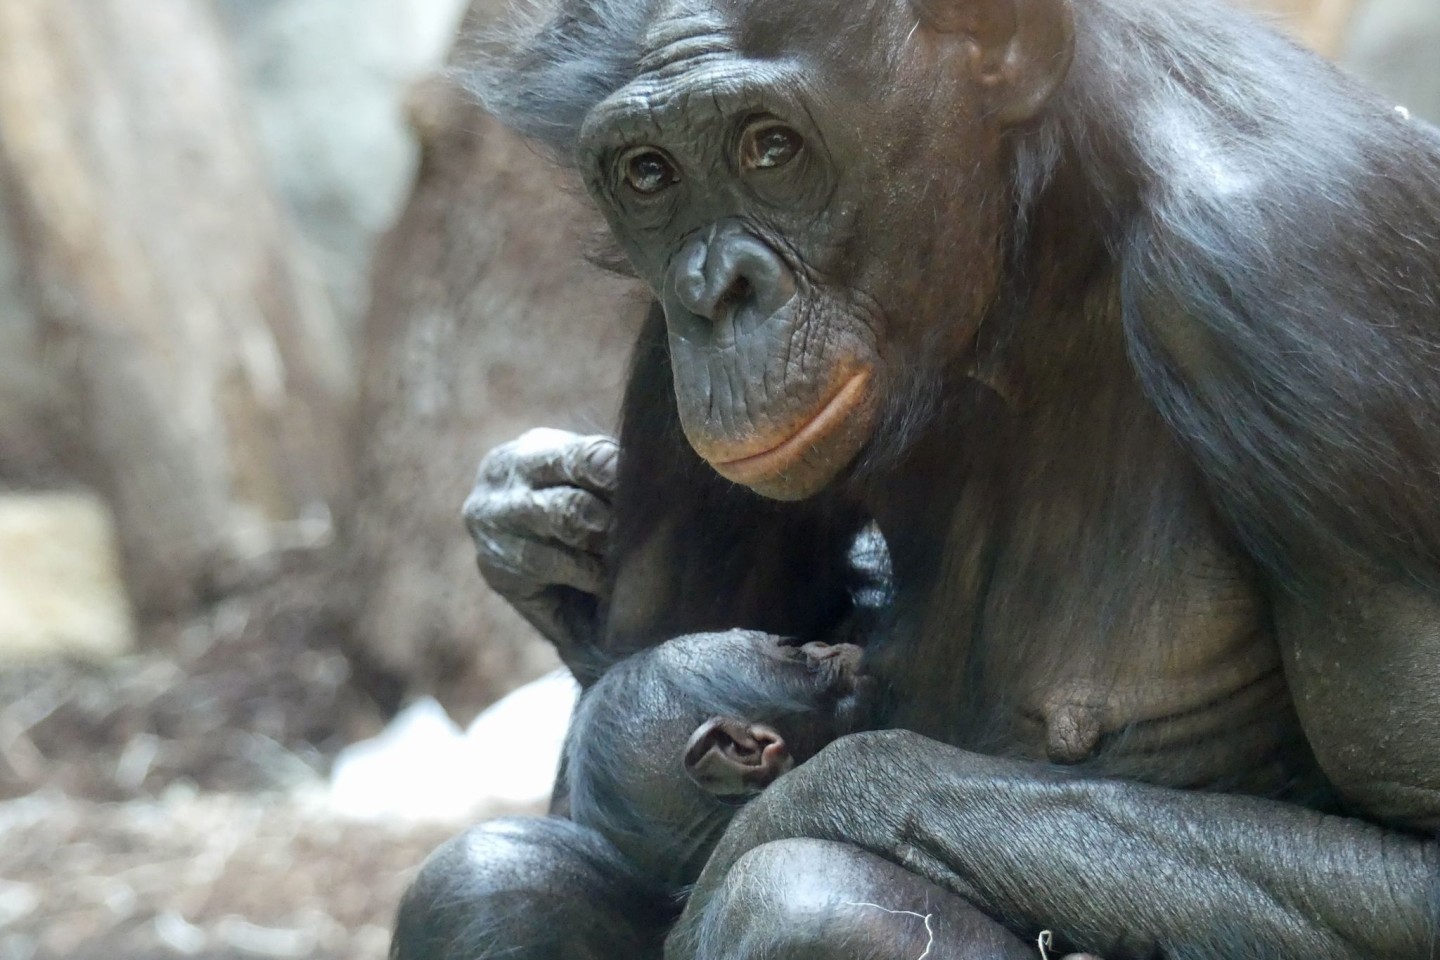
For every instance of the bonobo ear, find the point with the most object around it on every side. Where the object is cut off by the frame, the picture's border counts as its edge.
(1020, 49)
(730, 758)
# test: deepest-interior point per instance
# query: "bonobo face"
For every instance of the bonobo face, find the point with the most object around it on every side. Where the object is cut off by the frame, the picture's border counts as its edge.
(785, 176)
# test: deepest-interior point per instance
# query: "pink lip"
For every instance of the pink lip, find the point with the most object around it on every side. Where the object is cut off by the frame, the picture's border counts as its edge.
(750, 469)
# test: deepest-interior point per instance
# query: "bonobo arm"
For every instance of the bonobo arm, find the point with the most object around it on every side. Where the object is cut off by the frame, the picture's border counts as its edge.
(690, 551)
(1362, 656)
(1121, 869)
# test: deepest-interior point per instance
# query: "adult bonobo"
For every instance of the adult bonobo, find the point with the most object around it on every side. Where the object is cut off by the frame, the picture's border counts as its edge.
(1122, 319)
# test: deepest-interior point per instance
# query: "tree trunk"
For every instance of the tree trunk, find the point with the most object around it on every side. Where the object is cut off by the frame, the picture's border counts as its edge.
(202, 363)
(485, 321)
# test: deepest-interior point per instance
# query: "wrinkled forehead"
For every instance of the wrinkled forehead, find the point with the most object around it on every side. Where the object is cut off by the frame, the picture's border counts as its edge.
(768, 25)
(707, 58)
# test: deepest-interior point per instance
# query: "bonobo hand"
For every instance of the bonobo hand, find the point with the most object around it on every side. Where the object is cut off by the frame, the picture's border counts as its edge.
(539, 515)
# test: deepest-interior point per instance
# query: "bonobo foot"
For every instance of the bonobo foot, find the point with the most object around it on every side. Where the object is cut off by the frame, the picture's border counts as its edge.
(816, 900)
(529, 889)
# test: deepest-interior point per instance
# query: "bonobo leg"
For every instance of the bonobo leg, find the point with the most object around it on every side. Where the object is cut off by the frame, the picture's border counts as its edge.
(817, 900)
(529, 889)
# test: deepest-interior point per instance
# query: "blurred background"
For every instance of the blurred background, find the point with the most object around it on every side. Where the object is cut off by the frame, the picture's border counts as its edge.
(269, 287)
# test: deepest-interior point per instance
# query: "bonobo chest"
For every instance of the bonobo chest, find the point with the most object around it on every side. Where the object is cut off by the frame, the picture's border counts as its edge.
(1095, 613)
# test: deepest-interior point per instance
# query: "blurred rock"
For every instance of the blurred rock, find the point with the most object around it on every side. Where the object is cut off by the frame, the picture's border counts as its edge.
(61, 592)
(424, 768)
(1394, 45)
(327, 81)
(27, 389)
(211, 877)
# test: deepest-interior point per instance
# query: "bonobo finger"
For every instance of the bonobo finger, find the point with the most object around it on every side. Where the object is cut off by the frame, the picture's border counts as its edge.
(555, 458)
(570, 515)
(565, 515)
(553, 565)
(575, 518)
(523, 569)
(591, 464)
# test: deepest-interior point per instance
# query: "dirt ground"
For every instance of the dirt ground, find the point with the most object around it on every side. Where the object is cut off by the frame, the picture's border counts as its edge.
(214, 876)
(173, 805)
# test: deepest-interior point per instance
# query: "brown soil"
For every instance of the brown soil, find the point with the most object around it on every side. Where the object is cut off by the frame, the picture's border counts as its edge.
(170, 805)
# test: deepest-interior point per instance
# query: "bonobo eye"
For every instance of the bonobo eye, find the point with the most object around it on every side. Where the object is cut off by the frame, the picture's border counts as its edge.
(648, 171)
(767, 143)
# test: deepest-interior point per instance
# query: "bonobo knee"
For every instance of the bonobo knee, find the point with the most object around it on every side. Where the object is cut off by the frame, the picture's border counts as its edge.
(529, 889)
(802, 899)
(780, 899)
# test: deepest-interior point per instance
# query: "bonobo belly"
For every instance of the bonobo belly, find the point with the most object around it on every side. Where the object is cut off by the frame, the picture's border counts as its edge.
(1158, 668)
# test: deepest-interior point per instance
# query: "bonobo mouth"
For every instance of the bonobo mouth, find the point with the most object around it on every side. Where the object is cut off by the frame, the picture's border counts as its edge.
(845, 661)
(755, 469)
(852, 694)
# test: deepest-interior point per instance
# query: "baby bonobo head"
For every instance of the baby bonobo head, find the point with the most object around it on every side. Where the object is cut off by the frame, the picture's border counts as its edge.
(671, 742)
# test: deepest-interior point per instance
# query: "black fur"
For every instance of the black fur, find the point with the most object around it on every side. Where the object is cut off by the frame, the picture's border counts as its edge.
(541, 74)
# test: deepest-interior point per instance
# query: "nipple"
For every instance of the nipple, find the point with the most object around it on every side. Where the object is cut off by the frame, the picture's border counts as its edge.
(1072, 732)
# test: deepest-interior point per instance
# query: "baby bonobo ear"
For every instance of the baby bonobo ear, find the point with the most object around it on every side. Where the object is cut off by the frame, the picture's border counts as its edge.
(731, 758)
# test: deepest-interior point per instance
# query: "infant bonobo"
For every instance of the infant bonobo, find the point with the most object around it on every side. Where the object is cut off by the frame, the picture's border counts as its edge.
(670, 743)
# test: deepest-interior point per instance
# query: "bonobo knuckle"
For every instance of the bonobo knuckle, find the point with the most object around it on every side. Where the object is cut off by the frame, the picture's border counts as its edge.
(496, 467)
(595, 457)
(537, 440)
(479, 508)
(581, 511)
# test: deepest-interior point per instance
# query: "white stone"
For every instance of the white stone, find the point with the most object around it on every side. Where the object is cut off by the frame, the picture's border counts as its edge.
(61, 591)
(423, 768)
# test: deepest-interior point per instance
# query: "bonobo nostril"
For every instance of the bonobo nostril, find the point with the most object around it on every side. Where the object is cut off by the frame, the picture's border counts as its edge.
(739, 292)
(729, 271)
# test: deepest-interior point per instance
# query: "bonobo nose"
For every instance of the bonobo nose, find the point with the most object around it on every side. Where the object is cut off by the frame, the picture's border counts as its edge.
(728, 270)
